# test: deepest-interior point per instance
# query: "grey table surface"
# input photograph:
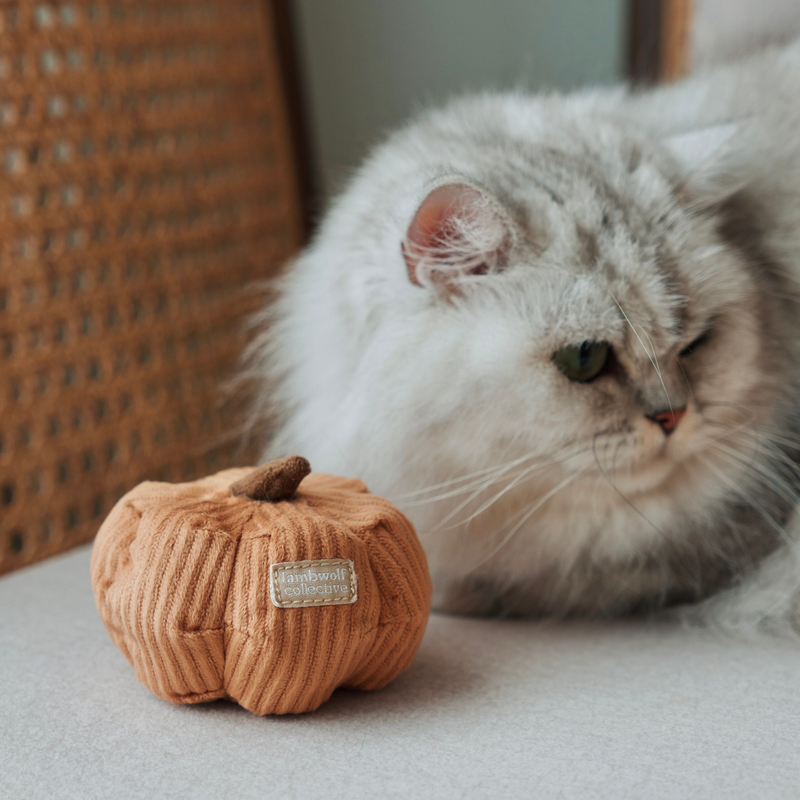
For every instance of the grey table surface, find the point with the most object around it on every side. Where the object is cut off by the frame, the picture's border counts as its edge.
(488, 709)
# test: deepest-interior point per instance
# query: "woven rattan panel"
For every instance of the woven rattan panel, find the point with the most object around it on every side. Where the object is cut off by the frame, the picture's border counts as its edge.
(145, 180)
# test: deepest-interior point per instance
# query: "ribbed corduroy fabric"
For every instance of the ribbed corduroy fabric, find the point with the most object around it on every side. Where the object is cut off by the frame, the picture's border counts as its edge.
(181, 575)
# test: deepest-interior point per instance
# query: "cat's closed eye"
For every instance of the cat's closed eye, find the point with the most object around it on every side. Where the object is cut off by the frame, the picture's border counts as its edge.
(583, 362)
(694, 345)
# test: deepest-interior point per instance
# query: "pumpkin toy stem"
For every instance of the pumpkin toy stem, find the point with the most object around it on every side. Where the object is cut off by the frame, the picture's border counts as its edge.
(274, 481)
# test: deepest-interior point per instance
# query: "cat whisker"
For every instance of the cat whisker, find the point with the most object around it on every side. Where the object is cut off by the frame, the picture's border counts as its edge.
(480, 490)
(687, 381)
(771, 480)
(765, 515)
(527, 513)
(731, 429)
(652, 357)
(761, 439)
(736, 406)
(789, 464)
(467, 477)
(740, 492)
(522, 476)
(489, 503)
(481, 484)
(733, 531)
(777, 436)
(768, 438)
(655, 354)
(626, 499)
(480, 478)
(789, 473)
(782, 438)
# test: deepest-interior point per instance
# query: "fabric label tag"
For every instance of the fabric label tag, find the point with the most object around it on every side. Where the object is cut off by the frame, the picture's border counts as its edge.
(324, 582)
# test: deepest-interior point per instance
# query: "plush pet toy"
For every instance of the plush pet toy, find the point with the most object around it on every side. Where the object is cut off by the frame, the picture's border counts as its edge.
(270, 587)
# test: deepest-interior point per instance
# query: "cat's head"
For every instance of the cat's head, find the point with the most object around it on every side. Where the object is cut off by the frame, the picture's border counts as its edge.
(574, 316)
(590, 300)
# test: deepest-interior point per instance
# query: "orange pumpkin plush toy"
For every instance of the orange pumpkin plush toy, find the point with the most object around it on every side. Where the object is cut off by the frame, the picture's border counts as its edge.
(271, 587)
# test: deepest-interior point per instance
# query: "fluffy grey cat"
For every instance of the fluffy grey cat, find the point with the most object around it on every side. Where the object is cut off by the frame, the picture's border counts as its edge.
(561, 333)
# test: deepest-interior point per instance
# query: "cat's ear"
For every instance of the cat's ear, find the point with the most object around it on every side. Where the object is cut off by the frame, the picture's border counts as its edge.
(699, 148)
(458, 230)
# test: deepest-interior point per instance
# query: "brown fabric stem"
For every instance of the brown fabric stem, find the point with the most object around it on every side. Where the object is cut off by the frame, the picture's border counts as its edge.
(275, 481)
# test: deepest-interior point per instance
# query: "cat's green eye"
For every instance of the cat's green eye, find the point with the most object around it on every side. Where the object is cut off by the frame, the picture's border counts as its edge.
(582, 362)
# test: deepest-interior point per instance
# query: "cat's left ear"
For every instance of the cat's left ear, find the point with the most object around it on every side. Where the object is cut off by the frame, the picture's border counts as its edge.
(699, 149)
(458, 230)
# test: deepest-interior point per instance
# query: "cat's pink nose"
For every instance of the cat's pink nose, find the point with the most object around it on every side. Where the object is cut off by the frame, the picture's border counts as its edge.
(669, 419)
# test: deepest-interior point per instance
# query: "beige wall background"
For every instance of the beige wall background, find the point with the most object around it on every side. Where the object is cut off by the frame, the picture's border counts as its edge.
(725, 29)
(368, 64)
